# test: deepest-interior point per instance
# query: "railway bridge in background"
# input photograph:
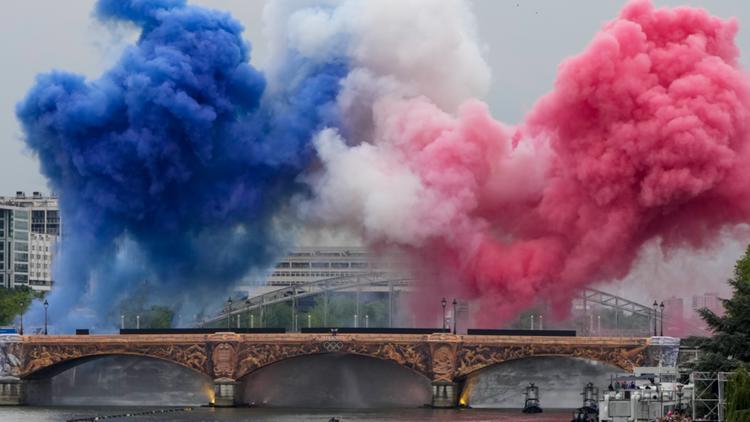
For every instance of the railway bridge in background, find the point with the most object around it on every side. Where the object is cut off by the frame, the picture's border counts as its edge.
(391, 284)
(227, 357)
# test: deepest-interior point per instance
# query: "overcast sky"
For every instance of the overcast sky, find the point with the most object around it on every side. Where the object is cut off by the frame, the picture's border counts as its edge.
(525, 40)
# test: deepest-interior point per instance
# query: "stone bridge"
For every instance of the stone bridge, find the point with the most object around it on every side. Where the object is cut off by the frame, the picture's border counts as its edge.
(445, 359)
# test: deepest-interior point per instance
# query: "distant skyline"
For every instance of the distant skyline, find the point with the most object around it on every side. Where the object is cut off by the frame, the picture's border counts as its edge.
(524, 43)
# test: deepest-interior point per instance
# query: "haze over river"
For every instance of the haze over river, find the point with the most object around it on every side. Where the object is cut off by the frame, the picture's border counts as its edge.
(56, 414)
(314, 388)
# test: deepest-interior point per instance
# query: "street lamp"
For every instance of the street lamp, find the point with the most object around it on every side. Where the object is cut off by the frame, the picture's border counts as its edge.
(45, 316)
(247, 306)
(309, 321)
(367, 320)
(122, 321)
(21, 327)
(656, 316)
(137, 322)
(661, 330)
(229, 313)
(444, 303)
(455, 317)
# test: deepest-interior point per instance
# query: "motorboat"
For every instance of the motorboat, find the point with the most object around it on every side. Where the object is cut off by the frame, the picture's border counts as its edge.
(589, 412)
(531, 401)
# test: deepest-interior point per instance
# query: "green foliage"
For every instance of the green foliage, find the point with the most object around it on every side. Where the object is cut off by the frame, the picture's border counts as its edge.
(728, 348)
(14, 301)
(339, 312)
(738, 397)
(135, 308)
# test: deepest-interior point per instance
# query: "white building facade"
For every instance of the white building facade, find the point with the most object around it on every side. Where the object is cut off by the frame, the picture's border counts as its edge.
(29, 231)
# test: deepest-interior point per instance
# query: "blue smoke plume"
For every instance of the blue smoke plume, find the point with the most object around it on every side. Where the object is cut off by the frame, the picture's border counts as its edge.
(172, 165)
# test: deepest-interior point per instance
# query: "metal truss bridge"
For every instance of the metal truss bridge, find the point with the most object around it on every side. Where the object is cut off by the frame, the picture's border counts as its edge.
(390, 283)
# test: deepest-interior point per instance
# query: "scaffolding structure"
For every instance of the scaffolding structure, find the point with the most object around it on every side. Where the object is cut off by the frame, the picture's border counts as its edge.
(709, 395)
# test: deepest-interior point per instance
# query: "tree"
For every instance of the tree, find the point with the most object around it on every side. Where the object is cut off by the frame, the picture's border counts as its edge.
(728, 348)
(14, 301)
(738, 397)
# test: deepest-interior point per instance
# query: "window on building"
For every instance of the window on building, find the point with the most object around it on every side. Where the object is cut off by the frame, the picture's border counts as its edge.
(21, 268)
(339, 265)
(320, 265)
(20, 278)
(21, 247)
(300, 265)
(359, 265)
(21, 225)
(283, 265)
(21, 256)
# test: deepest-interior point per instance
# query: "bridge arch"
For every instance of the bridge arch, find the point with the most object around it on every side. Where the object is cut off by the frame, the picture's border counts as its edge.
(415, 357)
(118, 379)
(249, 372)
(56, 368)
(473, 357)
(560, 380)
(335, 379)
(41, 359)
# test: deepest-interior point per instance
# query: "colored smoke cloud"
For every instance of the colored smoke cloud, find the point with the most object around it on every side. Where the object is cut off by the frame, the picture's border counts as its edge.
(177, 164)
(644, 136)
(173, 164)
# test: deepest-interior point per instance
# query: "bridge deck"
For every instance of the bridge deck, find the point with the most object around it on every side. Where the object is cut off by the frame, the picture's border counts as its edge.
(312, 337)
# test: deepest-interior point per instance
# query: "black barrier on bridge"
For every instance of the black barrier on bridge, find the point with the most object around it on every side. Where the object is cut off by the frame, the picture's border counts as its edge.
(533, 333)
(202, 330)
(374, 330)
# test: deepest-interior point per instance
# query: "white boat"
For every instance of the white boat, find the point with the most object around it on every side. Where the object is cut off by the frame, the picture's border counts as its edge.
(645, 396)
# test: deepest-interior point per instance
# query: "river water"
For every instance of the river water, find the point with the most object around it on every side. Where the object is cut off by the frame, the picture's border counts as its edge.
(56, 414)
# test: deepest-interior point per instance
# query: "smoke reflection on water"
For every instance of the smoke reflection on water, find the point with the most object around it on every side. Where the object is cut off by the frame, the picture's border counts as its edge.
(560, 381)
(122, 381)
(336, 380)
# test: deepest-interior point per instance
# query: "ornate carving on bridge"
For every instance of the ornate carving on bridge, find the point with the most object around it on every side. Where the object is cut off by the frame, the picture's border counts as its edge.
(473, 357)
(224, 359)
(40, 356)
(255, 356)
(443, 362)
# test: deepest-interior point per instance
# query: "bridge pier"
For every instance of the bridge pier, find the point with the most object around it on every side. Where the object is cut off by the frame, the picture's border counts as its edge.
(11, 391)
(444, 394)
(226, 393)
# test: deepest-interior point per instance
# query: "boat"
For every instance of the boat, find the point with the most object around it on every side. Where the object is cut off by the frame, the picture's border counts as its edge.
(589, 412)
(531, 403)
(647, 395)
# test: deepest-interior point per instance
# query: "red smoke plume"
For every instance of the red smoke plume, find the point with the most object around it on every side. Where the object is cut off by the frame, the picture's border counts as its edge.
(644, 135)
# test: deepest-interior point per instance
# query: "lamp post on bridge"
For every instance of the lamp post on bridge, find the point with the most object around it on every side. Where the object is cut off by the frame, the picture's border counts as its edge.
(45, 316)
(122, 321)
(137, 322)
(656, 317)
(250, 317)
(444, 303)
(20, 331)
(455, 317)
(661, 321)
(229, 313)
